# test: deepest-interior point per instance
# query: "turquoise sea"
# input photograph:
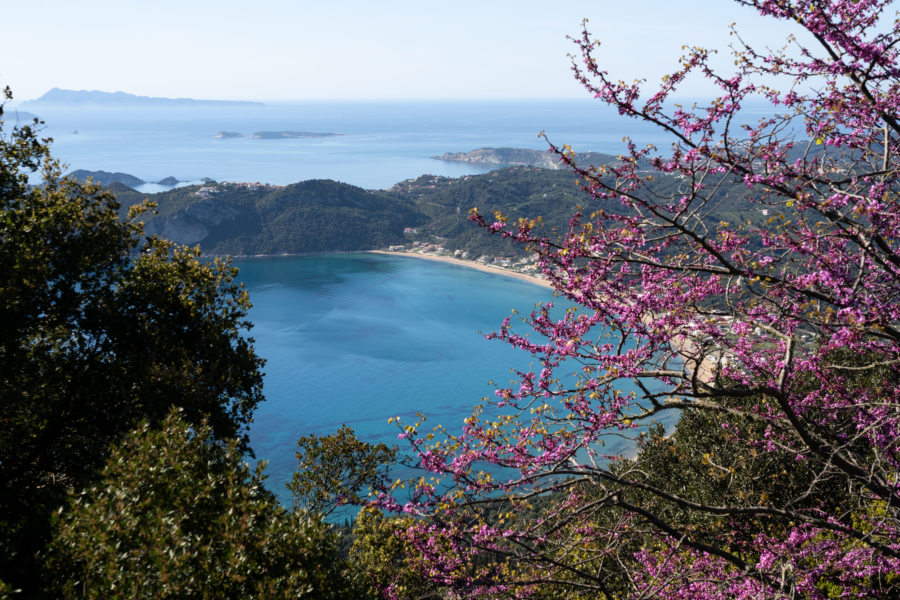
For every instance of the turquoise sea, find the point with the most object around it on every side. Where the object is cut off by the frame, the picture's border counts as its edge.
(358, 338)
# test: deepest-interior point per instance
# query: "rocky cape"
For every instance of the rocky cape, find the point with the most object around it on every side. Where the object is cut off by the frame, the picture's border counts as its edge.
(252, 219)
(243, 219)
(246, 219)
(522, 157)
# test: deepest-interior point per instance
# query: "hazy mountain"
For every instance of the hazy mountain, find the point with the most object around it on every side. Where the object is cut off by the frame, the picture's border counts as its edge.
(58, 96)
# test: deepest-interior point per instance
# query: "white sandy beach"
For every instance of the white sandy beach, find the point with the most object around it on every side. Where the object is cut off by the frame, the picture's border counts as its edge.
(471, 264)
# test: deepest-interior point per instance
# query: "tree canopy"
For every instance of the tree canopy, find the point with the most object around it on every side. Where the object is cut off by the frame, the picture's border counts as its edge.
(100, 328)
(339, 469)
(778, 338)
(177, 514)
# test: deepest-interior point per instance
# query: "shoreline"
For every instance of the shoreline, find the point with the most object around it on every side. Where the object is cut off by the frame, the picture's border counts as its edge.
(680, 344)
(470, 264)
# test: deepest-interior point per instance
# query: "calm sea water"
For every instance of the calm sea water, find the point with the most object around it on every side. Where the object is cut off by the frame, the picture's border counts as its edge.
(358, 338)
(381, 144)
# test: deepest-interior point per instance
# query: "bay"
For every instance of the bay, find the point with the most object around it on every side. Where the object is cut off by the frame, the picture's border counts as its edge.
(351, 339)
(358, 338)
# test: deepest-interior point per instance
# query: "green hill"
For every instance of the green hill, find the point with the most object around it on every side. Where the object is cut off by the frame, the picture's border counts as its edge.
(327, 216)
(311, 216)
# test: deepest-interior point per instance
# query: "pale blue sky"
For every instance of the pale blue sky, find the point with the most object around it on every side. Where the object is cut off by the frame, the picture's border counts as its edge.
(360, 49)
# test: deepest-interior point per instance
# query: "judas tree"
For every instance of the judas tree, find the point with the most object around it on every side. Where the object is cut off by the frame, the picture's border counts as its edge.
(747, 277)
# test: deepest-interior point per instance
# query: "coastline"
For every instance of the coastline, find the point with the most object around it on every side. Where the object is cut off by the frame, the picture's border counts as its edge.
(471, 264)
(681, 344)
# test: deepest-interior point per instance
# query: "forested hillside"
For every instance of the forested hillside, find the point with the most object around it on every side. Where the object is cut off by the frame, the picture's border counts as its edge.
(312, 216)
(327, 216)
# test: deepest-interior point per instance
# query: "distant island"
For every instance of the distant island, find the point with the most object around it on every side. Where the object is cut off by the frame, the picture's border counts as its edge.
(222, 135)
(106, 178)
(88, 98)
(276, 135)
(522, 157)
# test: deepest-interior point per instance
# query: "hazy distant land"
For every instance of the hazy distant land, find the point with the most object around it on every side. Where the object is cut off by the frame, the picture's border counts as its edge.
(57, 96)
(277, 135)
(12, 115)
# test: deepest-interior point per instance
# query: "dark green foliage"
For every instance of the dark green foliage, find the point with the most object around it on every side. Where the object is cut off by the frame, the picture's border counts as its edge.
(719, 460)
(517, 192)
(724, 458)
(179, 515)
(99, 330)
(308, 217)
(339, 469)
(326, 216)
(333, 216)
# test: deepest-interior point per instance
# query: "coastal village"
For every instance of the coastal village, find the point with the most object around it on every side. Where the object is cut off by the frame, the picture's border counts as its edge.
(209, 190)
(524, 266)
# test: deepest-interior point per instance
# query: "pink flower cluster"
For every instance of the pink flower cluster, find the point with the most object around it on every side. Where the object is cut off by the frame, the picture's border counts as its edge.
(796, 304)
